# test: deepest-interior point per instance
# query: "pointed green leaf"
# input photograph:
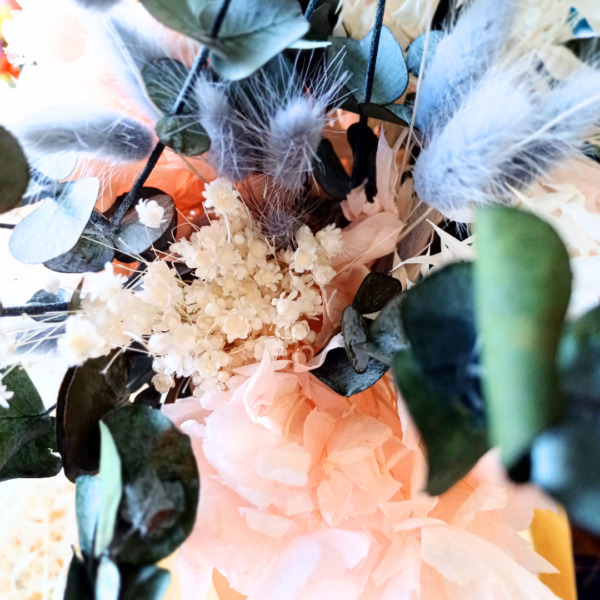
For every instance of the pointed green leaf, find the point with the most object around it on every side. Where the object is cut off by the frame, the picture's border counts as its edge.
(88, 497)
(147, 583)
(522, 289)
(354, 329)
(375, 292)
(108, 580)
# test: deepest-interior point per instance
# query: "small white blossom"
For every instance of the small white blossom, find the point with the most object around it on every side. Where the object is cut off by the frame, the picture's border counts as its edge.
(80, 342)
(300, 330)
(105, 286)
(330, 239)
(222, 197)
(5, 395)
(7, 348)
(324, 275)
(51, 283)
(150, 213)
(163, 383)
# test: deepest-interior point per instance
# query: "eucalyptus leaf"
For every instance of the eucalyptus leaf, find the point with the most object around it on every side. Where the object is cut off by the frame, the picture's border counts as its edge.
(43, 297)
(111, 490)
(180, 15)
(26, 432)
(587, 49)
(14, 171)
(160, 485)
(108, 580)
(375, 292)
(88, 393)
(391, 72)
(55, 227)
(414, 55)
(399, 114)
(58, 165)
(522, 289)
(132, 236)
(338, 374)
(183, 135)
(89, 255)
(145, 583)
(455, 438)
(88, 498)
(253, 32)
(354, 329)
(78, 584)
(330, 173)
(164, 78)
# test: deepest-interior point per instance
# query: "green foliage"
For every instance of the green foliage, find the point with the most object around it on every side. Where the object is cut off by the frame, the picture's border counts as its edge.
(56, 226)
(354, 329)
(145, 583)
(164, 78)
(330, 173)
(456, 438)
(26, 432)
(108, 580)
(522, 289)
(88, 499)
(41, 297)
(414, 56)
(14, 171)
(375, 292)
(183, 135)
(391, 73)
(89, 255)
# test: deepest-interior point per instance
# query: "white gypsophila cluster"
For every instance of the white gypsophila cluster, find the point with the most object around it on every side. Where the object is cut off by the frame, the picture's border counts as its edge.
(247, 299)
(150, 213)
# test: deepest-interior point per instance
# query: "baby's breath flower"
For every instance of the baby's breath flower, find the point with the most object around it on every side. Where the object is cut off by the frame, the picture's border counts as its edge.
(5, 395)
(150, 213)
(223, 198)
(330, 239)
(80, 342)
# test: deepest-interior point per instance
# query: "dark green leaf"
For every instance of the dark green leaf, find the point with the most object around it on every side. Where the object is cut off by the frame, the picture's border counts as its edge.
(375, 292)
(55, 227)
(587, 49)
(414, 56)
(75, 302)
(14, 172)
(253, 32)
(26, 432)
(338, 374)
(455, 438)
(78, 584)
(330, 173)
(88, 498)
(164, 78)
(183, 135)
(522, 297)
(354, 329)
(108, 580)
(160, 485)
(87, 394)
(566, 464)
(180, 15)
(322, 21)
(391, 73)
(43, 297)
(111, 490)
(146, 583)
(386, 335)
(89, 255)
(391, 113)
(133, 237)
(149, 397)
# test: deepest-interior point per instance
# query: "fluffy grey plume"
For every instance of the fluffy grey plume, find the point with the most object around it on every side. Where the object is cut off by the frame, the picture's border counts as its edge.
(125, 39)
(292, 139)
(461, 58)
(230, 150)
(102, 133)
(97, 4)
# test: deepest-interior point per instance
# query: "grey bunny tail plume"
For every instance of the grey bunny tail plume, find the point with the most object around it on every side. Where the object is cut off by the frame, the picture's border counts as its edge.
(461, 59)
(98, 132)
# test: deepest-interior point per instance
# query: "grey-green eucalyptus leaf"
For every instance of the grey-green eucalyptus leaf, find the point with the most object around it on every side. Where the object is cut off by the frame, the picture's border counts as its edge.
(414, 55)
(88, 498)
(354, 329)
(108, 580)
(183, 135)
(145, 583)
(89, 255)
(164, 78)
(14, 171)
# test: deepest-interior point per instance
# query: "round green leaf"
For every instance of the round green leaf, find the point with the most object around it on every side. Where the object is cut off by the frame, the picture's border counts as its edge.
(89, 255)
(183, 135)
(14, 171)
(414, 56)
(354, 329)
(164, 78)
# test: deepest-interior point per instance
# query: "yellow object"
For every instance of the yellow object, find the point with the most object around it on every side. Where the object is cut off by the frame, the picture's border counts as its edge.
(551, 536)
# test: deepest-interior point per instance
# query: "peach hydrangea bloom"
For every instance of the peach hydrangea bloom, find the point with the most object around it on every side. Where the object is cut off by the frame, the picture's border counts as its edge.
(307, 494)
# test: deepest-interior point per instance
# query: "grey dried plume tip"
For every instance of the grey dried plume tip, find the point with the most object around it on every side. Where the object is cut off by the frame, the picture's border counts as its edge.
(102, 133)
(461, 59)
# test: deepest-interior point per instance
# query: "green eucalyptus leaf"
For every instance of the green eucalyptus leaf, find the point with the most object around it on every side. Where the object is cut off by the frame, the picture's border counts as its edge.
(111, 490)
(587, 49)
(386, 335)
(55, 227)
(455, 438)
(75, 302)
(132, 236)
(522, 288)
(322, 21)
(338, 374)
(253, 32)
(160, 485)
(354, 329)
(391, 73)
(375, 292)
(88, 393)
(26, 432)
(399, 114)
(88, 498)
(145, 583)
(164, 78)
(179, 15)
(183, 135)
(330, 173)
(108, 580)
(78, 584)
(14, 171)
(414, 55)
(565, 462)
(89, 255)
(43, 297)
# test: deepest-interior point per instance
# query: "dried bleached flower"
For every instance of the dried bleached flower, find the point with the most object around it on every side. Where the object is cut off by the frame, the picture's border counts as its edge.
(5, 395)
(150, 213)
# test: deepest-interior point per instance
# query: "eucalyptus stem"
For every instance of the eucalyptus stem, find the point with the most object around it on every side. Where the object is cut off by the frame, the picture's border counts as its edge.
(360, 167)
(199, 64)
(7, 226)
(34, 309)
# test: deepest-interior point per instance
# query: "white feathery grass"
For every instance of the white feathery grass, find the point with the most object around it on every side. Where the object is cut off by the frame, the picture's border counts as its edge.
(461, 59)
(96, 132)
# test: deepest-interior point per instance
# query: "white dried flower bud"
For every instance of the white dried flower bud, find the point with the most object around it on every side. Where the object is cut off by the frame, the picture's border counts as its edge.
(324, 275)
(236, 326)
(5, 395)
(150, 213)
(222, 197)
(163, 383)
(80, 342)
(300, 330)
